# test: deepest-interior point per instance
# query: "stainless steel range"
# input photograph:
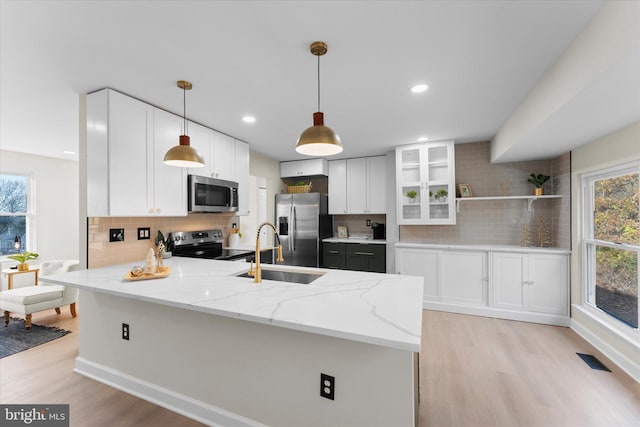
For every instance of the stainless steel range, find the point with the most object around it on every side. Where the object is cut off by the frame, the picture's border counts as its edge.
(205, 244)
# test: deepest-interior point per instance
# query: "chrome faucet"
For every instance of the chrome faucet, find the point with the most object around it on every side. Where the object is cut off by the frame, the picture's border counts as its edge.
(257, 273)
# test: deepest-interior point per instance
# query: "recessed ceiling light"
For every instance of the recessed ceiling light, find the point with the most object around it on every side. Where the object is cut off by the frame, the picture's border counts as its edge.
(249, 119)
(423, 139)
(419, 88)
(71, 153)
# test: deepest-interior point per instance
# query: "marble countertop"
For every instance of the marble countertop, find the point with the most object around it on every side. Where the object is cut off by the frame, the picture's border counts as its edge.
(380, 309)
(495, 248)
(355, 240)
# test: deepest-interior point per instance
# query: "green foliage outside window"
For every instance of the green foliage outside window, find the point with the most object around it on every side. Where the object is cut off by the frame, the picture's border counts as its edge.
(617, 220)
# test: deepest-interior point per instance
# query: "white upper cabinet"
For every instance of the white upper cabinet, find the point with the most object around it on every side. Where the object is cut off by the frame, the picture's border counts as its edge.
(428, 171)
(366, 185)
(337, 187)
(169, 189)
(201, 140)
(358, 186)
(301, 168)
(223, 165)
(129, 134)
(133, 137)
(377, 185)
(242, 176)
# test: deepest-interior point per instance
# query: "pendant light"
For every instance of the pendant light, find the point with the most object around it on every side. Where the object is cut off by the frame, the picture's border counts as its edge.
(319, 140)
(184, 155)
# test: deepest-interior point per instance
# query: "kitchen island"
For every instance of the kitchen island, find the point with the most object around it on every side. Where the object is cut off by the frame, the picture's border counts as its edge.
(227, 351)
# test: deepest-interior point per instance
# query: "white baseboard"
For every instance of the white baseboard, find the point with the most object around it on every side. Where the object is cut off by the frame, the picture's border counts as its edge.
(176, 402)
(631, 367)
(523, 316)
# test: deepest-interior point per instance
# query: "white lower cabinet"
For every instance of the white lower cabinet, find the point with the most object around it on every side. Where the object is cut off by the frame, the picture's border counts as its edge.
(464, 277)
(530, 282)
(458, 277)
(527, 286)
(421, 262)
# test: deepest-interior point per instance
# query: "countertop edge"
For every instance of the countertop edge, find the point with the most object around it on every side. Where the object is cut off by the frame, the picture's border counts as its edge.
(354, 240)
(492, 248)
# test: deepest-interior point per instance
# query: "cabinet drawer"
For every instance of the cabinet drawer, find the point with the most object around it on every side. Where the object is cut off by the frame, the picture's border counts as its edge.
(333, 255)
(365, 257)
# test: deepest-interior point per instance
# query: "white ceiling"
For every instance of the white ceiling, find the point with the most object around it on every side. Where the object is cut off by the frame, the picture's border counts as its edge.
(479, 58)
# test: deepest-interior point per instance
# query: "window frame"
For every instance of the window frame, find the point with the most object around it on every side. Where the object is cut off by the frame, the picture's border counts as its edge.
(30, 214)
(589, 245)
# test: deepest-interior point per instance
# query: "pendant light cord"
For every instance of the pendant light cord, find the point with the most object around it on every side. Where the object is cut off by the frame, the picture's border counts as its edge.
(318, 82)
(184, 108)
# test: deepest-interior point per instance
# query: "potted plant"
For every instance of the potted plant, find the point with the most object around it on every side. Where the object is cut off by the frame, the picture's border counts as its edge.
(23, 258)
(441, 195)
(538, 180)
(412, 194)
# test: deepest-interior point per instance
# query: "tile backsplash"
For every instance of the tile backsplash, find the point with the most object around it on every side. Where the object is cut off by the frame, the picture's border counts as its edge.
(357, 224)
(102, 253)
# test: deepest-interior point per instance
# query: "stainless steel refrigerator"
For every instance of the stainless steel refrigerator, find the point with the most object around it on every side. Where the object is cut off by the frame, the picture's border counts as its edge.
(302, 223)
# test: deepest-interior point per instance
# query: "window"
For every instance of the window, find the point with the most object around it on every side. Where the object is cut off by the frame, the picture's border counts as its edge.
(15, 219)
(612, 242)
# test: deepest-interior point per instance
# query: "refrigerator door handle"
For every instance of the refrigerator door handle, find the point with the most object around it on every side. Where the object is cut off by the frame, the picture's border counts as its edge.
(293, 226)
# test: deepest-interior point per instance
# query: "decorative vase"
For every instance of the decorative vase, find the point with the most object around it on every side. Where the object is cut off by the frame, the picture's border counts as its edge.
(538, 191)
(23, 267)
(412, 200)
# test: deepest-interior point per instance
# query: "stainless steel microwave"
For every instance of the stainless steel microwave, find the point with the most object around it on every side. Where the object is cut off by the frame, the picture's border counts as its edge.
(212, 195)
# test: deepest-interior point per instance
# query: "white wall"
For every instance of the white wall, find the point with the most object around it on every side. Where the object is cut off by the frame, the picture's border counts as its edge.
(614, 149)
(262, 169)
(56, 190)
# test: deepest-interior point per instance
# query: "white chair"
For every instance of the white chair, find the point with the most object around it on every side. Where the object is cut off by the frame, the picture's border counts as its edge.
(31, 299)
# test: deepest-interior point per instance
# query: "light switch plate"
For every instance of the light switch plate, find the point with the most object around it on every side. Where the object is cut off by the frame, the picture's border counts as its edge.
(144, 233)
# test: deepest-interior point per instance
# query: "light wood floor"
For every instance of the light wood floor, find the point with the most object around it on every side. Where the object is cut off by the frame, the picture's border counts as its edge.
(474, 371)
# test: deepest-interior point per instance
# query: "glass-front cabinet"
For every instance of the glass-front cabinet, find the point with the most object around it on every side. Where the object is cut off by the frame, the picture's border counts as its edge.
(425, 180)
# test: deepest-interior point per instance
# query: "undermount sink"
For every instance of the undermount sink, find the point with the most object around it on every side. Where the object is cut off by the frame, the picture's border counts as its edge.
(286, 276)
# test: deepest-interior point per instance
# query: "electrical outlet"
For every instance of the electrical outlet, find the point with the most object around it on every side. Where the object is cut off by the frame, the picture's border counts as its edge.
(368, 223)
(116, 234)
(144, 233)
(125, 331)
(327, 386)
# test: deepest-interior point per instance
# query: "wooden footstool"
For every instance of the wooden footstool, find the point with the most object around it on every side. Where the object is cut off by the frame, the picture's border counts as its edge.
(30, 299)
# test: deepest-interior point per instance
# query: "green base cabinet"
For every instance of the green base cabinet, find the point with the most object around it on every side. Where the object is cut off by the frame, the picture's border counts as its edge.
(333, 255)
(365, 257)
(355, 256)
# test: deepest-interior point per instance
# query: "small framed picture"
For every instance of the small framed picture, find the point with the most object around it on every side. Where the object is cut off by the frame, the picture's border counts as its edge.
(465, 190)
(342, 232)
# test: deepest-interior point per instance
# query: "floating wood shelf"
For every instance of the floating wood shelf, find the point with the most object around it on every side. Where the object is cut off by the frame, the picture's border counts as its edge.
(529, 199)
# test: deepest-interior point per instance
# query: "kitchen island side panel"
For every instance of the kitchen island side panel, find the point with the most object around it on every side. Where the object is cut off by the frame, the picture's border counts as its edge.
(260, 372)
